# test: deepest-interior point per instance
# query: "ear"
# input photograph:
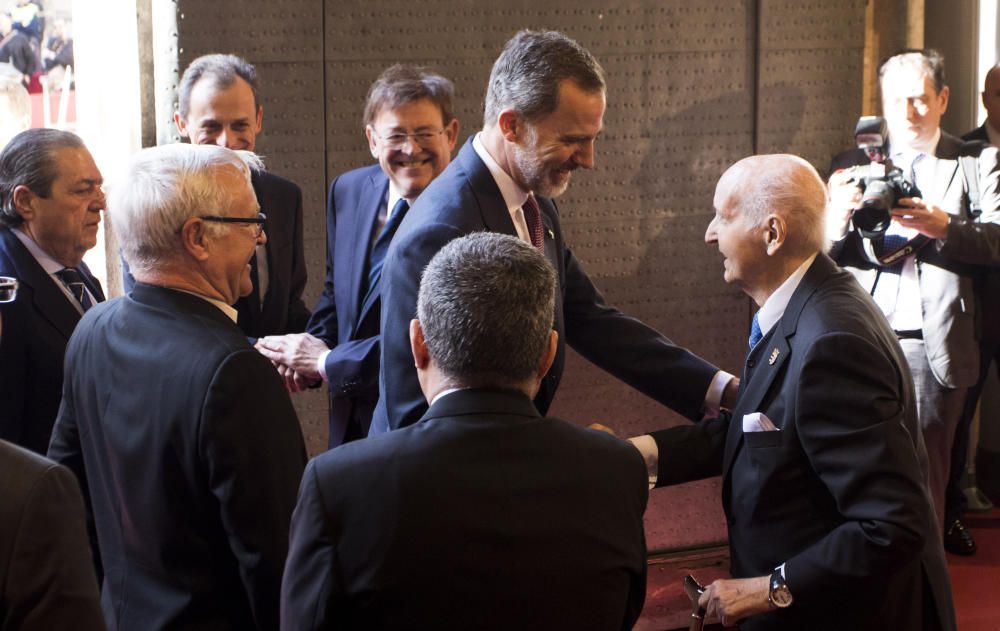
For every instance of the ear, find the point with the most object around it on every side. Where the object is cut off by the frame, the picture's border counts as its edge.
(23, 196)
(775, 233)
(370, 134)
(421, 356)
(260, 118)
(943, 95)
(548, 356)
(194, 238)
(451, 134)
(181, 125)
(510, 124)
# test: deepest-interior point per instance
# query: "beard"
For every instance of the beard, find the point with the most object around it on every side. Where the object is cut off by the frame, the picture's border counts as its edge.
(536, 176)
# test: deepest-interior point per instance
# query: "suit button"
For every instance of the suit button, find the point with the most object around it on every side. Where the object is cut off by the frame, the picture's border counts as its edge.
(751, 363)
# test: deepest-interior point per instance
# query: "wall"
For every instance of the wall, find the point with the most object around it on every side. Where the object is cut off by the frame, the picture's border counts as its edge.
(692, 88)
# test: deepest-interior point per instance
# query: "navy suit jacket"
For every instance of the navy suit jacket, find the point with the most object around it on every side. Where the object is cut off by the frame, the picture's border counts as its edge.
(484, 515)
(465, 199)
(282, 309)
(35, 330)
(190, 454)
(345, 318)
(839, 493)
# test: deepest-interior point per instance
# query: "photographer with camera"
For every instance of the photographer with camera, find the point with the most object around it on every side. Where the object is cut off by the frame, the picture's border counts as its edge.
(919, 262)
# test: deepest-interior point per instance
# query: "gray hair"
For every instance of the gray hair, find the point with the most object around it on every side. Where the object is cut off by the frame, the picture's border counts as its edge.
(29, 159)
(927, 60)
(529, 72)
(223, 70)
(486, 308)
(784, 185)
(400, 84)
(162, 188)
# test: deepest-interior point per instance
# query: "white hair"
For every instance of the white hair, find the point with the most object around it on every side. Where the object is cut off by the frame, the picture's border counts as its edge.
(162, 188)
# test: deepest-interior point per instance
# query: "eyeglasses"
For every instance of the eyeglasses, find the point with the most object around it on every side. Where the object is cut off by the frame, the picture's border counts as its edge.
(259, 220)
(398, 139)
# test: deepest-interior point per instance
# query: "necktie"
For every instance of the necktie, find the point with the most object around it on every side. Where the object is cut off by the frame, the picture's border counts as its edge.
(533, 219)
(755, 332)
(72, 279)
(377, 258)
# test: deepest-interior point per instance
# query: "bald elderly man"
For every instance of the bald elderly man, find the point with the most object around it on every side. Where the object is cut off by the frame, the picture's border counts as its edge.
(824, 469)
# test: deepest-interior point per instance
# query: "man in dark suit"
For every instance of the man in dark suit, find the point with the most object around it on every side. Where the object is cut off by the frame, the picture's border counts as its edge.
(483, 515)
(46, 572)
(217, 104)
(411, 131)
(830, 523)
(544, 109)
(50, 205)
(181, 433)
(922, 272)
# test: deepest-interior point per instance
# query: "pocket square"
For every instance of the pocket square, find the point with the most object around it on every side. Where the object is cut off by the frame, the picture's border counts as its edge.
(757, 422)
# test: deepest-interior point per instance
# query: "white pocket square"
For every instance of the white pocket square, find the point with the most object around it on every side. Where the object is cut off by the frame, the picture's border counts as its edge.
(757, 422)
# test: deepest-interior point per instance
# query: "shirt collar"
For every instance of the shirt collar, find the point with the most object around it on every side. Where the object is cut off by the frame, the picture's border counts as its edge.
(513, 195)
(223, 307)
(774, 307)
(49, 264)
(443, 394)
(909, 152)
(394, 196)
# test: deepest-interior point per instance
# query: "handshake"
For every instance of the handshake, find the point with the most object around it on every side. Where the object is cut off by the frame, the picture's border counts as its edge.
(296, 356)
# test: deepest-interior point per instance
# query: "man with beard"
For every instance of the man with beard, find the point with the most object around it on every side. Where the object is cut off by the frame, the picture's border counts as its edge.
(544, 109)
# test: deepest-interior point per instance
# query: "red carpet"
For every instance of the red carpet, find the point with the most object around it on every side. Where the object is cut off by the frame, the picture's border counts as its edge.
(975, 580)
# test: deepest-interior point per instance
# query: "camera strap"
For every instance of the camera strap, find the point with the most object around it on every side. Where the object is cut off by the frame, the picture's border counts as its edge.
(914, 245)
(970, 171)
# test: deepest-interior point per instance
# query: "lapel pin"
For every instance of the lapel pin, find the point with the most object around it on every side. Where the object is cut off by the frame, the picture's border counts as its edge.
(774, 357)
(552, 235)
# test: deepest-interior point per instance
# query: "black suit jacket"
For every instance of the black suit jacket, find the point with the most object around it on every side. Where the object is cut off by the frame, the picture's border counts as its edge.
(465, 199)
(35, 330)
(282, 309)
(46, 572)
(347, 314)
(839, 493)
(979, 133)
(190, 451)
(483, 515)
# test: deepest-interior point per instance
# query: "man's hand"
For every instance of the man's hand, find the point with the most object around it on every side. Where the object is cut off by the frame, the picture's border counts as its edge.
(844, 197)
(927, 220)
(296, 356)
(732, 600)
(730, 394)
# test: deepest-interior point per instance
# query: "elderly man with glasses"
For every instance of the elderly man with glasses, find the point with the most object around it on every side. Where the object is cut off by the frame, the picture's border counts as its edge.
(411, 131)
(181, 433)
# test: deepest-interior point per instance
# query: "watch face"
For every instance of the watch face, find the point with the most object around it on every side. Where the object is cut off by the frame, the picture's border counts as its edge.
(780, 596)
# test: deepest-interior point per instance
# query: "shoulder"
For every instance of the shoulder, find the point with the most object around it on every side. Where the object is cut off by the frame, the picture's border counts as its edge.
(849, 158)
(267, 184)
(979, 133)
(356, 177)
(26, 473)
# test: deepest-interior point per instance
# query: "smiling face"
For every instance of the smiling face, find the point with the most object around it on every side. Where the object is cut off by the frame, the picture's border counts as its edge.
(227, 117)
(911, 105)
(545, 152)
(414, 163)
(64, 224)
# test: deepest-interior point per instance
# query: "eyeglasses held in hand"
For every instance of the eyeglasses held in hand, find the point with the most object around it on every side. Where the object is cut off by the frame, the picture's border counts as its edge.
(259, 220)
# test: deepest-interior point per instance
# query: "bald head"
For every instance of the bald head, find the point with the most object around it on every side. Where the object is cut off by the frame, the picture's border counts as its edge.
(991, 97)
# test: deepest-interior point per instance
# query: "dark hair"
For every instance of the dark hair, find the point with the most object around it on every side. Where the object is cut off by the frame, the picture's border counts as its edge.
(486, 307)
(929, 59)
(528, 73)
(29, 159)
(400, 84)
(223, 70)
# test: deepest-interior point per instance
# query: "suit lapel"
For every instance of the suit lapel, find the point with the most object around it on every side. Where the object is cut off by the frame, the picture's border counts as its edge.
(373, 197)
(492, 207)
(49, 301)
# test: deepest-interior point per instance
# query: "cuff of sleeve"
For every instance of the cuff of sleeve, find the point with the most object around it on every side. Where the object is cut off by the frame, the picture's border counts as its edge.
(713, 398)
(650, 453)
(321, 365)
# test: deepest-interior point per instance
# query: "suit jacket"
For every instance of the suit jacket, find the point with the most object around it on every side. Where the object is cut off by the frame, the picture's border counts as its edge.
(988, 285)
(36, 328)
(946, 269)
(347, 317)
(191, 454)
(46, 573)
(465, 199)
(979, 133)
(483, 515)
(282, 309)
(839, 493)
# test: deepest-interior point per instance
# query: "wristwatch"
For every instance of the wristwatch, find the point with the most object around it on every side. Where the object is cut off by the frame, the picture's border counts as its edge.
(778, 594)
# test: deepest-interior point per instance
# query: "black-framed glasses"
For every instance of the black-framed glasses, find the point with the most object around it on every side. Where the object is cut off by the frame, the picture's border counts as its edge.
(398, 139)
(258, 220)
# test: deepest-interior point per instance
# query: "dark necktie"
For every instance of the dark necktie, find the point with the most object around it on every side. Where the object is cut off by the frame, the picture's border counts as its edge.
(533, 219)
(377, 257)
(755, 332)
(72, 279)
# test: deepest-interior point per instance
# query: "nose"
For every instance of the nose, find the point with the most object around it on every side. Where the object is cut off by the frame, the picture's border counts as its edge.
(911, 110)
(710, 235)
(409, 146)
(585, 157)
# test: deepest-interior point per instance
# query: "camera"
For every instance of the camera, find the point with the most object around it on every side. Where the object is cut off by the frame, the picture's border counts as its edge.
(883, 184)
